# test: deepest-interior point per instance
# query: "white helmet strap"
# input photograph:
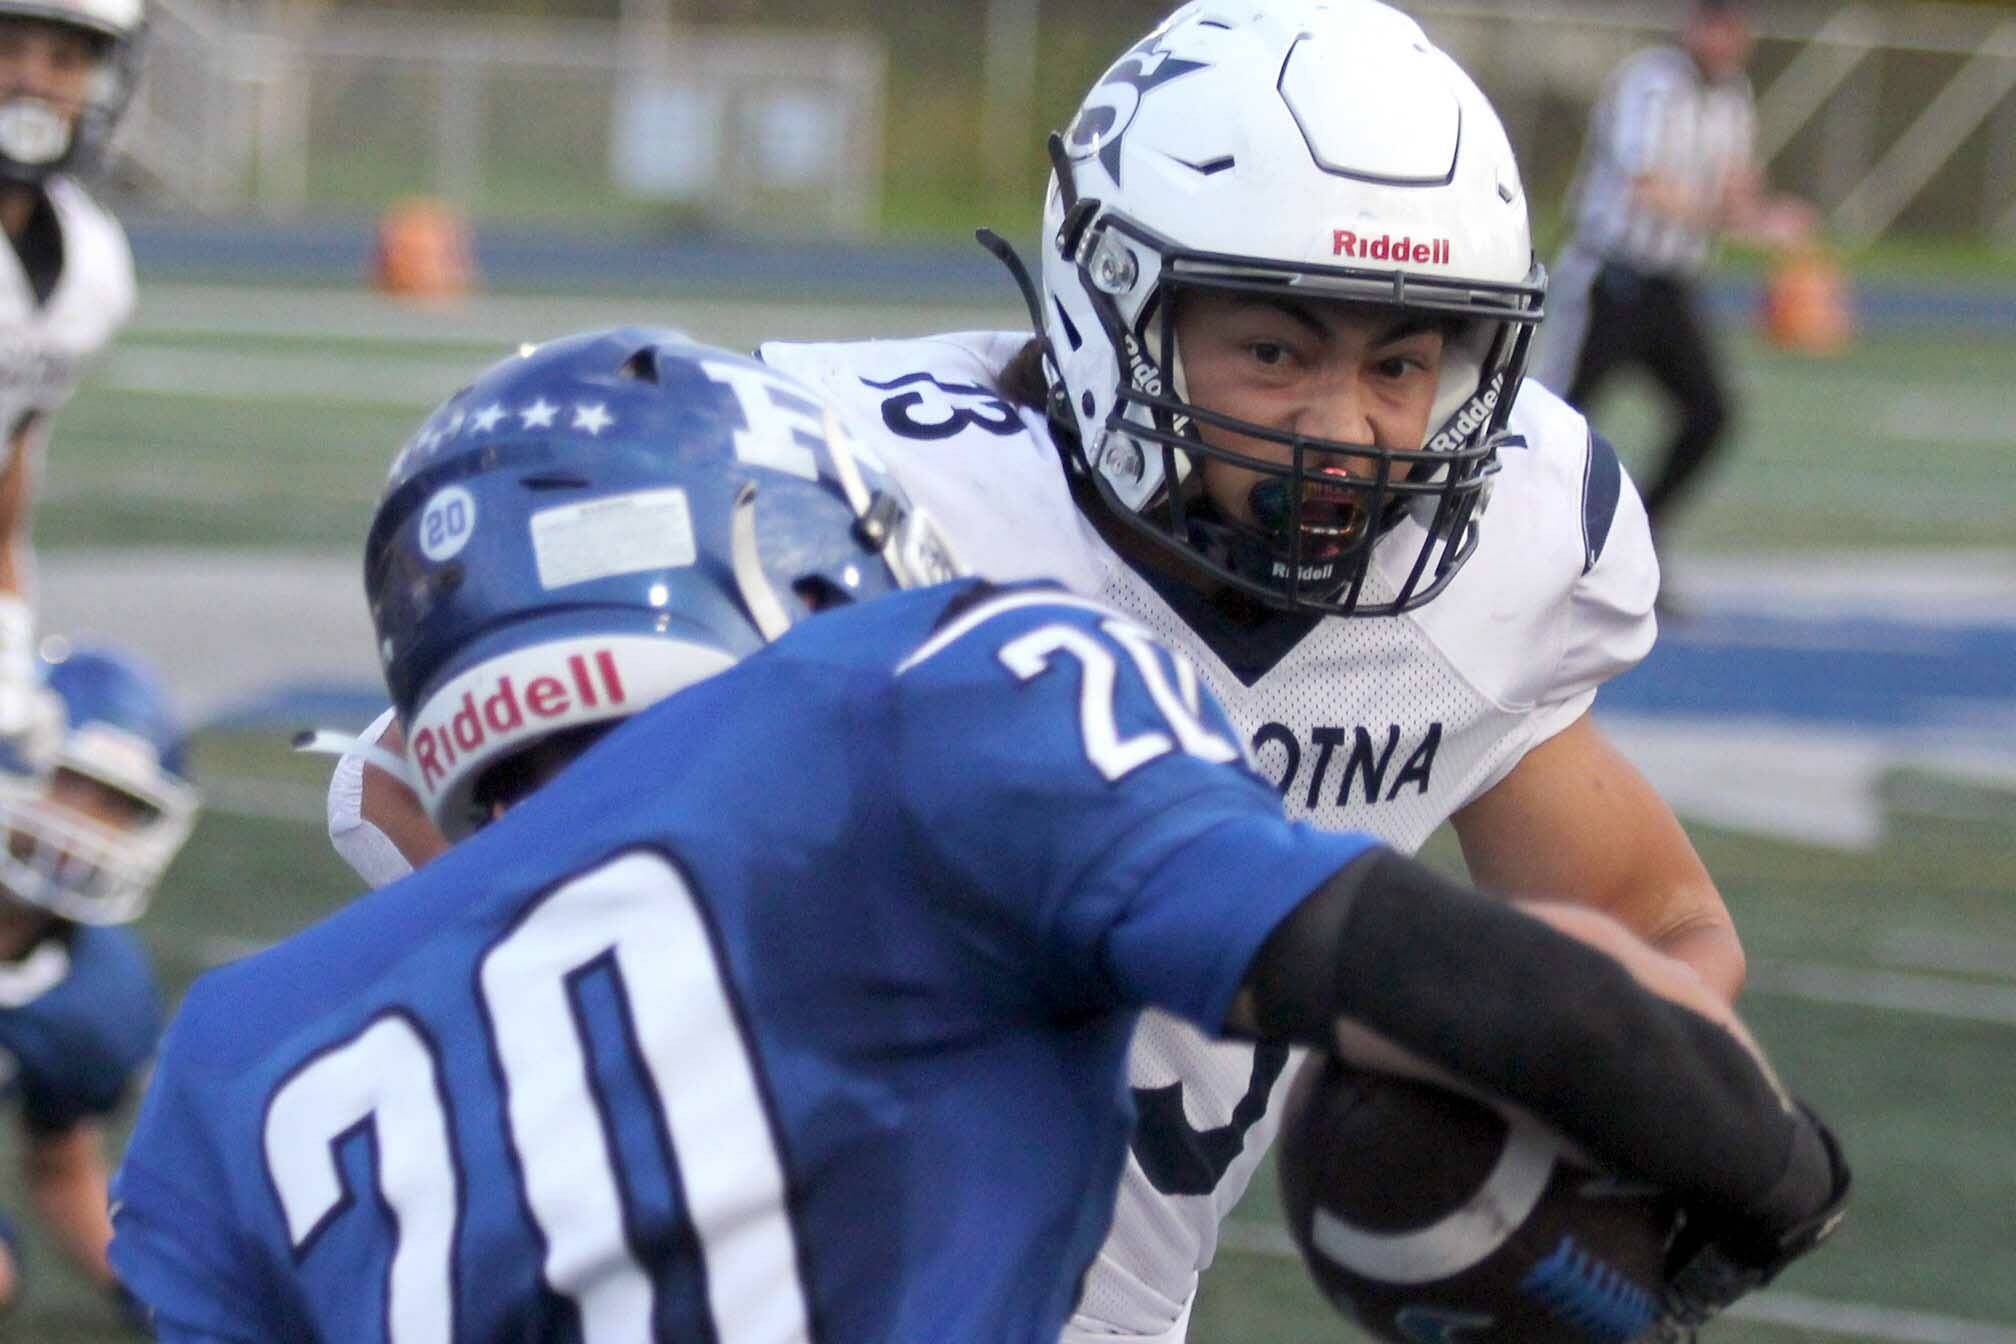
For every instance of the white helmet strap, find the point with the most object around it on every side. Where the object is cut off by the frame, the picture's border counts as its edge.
(766, 608)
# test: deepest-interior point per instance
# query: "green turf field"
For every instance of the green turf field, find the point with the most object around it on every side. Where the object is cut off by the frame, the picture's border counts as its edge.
(1923, 1087)
(1885, 982)
(260, 417)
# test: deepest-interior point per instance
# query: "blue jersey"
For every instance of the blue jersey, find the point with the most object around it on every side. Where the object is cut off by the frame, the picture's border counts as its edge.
(79, 1018)
(794, 1010)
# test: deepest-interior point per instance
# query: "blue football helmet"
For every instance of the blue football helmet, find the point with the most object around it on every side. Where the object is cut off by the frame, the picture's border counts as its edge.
(89, 839)
(601, 521)
(37, 139)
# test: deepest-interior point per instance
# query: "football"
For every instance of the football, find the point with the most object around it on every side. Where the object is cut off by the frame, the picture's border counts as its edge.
(1430, 1217)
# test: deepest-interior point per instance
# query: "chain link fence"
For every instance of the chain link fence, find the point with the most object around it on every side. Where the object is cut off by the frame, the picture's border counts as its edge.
(518, 119)
(1894, 117)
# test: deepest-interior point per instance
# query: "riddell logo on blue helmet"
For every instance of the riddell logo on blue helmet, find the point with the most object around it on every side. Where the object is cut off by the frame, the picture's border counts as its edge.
(504, 710)
(507, 703)
(1363, 247)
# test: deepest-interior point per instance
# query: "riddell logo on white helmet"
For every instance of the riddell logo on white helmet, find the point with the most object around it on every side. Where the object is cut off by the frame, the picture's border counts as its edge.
(516, 699)
(1363, 247)
(1469, 417)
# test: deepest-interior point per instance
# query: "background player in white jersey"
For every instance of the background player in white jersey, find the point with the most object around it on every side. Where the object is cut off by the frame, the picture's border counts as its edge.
(1287, 290)
(66, 70)
(82, 847)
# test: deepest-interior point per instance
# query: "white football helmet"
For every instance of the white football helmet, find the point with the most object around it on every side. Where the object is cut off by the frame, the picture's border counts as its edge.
(122, 739)
(1322, 149)
(37, 139)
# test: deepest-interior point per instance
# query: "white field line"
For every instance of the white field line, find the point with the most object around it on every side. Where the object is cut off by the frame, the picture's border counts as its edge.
(1853, 1319)
(1890, 991)
(1932, 950)
(265, 799)
(321, 379)
(168, 311)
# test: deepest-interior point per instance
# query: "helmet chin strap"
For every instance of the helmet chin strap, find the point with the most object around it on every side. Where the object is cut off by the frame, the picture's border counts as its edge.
(1058, 408)
(766, 609)
(328, 742)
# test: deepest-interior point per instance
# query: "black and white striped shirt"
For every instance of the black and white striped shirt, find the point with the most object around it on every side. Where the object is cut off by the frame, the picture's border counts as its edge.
(1659, 116)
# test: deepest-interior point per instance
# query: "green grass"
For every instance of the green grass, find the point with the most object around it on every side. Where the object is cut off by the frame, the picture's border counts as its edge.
(1901, 442)
(1923, 1102)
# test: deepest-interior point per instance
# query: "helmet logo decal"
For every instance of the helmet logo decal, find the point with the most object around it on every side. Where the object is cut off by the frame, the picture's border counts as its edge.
(1109, 109)
(1469, 417)
(1426, 252)
(447, 523)
(502, 707)
(591, 418)
(634, 533)
(1141, 369)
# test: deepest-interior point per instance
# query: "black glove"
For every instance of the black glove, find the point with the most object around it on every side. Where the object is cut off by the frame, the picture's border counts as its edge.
(1716, 1259)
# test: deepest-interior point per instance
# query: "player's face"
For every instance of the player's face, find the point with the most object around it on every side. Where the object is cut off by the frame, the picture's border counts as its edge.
(98, 802)
(1722, 42)
(51, 62)
(1319, 369)
(82, 815)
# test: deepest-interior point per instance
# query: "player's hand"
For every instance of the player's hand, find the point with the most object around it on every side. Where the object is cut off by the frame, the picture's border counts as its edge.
(31, 715)
(31, 722)
(1785, 222)
(1713, 1262)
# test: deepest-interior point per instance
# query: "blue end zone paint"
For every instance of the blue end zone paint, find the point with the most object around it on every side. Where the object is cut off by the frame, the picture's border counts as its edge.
(1900, 676)
(339, 252)
(1864, 673)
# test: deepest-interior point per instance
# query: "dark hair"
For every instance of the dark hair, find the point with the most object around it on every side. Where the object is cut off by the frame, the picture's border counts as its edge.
(1022, 380)
(510, 780)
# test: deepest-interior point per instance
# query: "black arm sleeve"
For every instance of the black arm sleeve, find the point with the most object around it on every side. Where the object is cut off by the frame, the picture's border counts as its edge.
(1549, 1023)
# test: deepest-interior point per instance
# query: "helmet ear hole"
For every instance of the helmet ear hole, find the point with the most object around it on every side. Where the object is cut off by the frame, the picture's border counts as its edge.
(820, 593)
(640, 367)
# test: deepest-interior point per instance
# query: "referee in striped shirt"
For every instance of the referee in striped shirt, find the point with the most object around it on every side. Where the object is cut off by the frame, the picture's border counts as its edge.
(1668, 169)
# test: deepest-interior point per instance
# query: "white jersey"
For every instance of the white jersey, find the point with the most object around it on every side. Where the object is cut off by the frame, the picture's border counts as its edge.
(44, 347)
(1386, 725)
(1660, 116)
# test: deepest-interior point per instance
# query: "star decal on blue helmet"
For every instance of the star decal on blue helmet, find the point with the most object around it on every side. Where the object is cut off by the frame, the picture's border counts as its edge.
(1110, 107)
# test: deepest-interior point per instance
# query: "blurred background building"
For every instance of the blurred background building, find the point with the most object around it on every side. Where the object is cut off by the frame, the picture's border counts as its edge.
(824, 116)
